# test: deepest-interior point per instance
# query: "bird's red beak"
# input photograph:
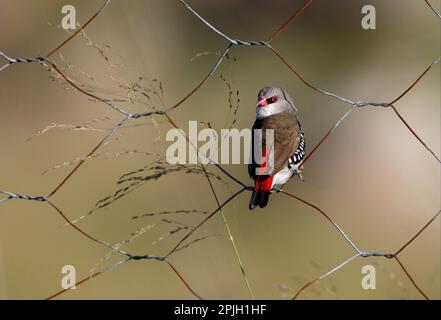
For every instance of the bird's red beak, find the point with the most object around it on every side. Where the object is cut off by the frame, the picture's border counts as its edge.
(262, 102)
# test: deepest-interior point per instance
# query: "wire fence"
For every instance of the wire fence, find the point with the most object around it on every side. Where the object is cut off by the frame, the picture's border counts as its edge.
(241, 186)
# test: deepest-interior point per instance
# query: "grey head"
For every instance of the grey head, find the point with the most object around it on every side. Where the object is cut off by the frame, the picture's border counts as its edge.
(273, 100)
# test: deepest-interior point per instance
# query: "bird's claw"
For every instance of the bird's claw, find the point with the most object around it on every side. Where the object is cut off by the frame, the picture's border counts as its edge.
(298, 172)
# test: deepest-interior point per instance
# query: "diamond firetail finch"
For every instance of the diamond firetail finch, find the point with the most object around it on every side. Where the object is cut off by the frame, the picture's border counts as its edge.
(275, 111)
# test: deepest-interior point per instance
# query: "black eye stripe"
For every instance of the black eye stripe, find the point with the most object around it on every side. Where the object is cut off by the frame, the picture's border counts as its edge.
(270, 100)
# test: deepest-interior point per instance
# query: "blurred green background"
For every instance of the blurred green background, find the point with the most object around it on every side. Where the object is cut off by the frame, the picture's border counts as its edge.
(372, 176)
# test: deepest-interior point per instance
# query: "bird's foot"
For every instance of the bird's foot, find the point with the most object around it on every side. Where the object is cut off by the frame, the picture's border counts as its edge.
(277, 189)
(298, 172)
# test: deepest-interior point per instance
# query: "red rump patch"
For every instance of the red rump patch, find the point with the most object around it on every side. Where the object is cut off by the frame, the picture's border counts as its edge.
(263, 184)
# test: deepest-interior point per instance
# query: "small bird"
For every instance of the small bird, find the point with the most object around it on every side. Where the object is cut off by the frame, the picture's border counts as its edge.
(275, 110)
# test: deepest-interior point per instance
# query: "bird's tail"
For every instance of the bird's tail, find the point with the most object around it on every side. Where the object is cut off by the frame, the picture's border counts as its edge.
(261, 192)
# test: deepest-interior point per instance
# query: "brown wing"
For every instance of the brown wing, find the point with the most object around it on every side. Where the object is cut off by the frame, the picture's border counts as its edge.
(286, 138)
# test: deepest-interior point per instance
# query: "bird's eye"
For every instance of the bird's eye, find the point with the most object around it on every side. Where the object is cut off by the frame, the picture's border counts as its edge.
(273, 99)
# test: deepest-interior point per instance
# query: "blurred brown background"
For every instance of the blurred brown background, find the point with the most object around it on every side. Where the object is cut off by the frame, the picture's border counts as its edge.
(372, 176)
